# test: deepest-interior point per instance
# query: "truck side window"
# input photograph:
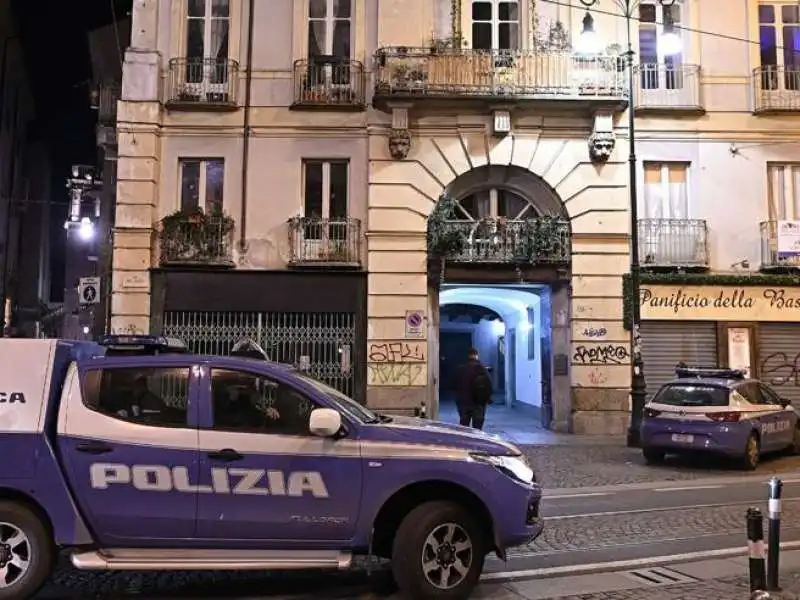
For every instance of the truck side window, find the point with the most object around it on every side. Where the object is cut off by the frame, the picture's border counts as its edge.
(248, 402)
(148, 396)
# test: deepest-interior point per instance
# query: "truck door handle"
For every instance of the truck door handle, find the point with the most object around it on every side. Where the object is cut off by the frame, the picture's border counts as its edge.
(94, 448)
(226, 455)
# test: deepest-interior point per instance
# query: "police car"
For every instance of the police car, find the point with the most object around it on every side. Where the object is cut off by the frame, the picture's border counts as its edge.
(137, 455)
(719, 411)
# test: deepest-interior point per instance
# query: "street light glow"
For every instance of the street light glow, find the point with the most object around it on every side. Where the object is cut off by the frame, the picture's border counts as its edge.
(670, 44)
(86, 230)
(589, 41)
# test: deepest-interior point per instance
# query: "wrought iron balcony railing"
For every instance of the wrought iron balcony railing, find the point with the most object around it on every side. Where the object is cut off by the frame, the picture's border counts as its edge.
(510, 74)
(673, 243)
(776, 89)
(104, 99)
(210, 83)
(315, 241)
(772, 255)
(196, 240)
(504, 241)
(329, 82)
(659, 87)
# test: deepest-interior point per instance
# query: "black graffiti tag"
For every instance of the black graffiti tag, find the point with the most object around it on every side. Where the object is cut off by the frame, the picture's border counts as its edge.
(781, 369)
(395, 352)
(606, 354)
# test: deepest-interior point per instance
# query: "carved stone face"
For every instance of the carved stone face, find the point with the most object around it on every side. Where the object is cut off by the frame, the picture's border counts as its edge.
(601, 145)
(399, 143)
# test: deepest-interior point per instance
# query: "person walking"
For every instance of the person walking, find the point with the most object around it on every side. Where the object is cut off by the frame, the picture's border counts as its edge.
(473, 386)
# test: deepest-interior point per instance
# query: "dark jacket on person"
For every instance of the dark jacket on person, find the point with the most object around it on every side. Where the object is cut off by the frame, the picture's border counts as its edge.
(466, 377)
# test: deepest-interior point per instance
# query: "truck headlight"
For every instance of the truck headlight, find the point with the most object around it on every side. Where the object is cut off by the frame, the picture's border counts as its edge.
(513, 466)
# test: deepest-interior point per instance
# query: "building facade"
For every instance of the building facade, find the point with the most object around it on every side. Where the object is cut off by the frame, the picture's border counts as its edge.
(318, 174)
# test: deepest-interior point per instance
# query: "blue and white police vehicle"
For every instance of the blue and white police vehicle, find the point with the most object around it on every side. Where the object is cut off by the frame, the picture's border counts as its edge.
(137, 455)
(718, 411)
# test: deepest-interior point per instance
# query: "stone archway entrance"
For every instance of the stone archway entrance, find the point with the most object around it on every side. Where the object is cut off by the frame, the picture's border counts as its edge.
(498, 227)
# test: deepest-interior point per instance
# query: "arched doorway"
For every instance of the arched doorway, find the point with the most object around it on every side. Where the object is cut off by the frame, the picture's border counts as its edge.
(513, 258)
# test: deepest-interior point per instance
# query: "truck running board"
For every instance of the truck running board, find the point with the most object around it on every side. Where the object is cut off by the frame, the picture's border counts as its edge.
(209, 560)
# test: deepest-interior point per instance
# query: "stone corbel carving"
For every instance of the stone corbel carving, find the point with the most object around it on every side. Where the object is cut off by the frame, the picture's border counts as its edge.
(602, 140)
(399, 136)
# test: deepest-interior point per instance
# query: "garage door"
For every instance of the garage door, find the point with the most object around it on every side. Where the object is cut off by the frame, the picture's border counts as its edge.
(779, 358)
(666, 343)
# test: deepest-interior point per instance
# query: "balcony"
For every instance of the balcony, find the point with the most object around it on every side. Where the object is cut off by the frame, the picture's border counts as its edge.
(673, 244)
(196, 240)
(328, 83)
(777, 256)
(501, 241)
(315, 242)
(673, 89)
(202, 84)
(104, 100)
(548, 78)
(776, 89)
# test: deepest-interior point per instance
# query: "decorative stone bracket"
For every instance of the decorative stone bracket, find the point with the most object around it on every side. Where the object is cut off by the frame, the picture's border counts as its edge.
(399, 136)
(602, 140)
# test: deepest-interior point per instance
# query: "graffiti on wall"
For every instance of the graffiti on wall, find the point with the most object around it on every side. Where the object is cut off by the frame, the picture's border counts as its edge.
(129, 329)
(396, 352)
(781, 369)
(397, 363)
(402, 374)
(601, 354)
(595, 332)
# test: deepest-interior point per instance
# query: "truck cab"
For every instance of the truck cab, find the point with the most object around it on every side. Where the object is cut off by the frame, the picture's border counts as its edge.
(158, 459)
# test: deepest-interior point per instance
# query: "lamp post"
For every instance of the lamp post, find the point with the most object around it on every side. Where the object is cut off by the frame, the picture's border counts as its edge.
(669, 43)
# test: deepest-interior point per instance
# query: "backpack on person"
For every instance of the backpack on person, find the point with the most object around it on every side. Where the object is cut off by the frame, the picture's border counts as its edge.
(481, 385)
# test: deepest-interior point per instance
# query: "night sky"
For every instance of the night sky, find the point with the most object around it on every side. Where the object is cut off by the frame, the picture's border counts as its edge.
(54, 39)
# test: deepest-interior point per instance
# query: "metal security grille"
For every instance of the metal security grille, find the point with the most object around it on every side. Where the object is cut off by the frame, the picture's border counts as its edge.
(666, 343)
(320, 343)
(779, 358)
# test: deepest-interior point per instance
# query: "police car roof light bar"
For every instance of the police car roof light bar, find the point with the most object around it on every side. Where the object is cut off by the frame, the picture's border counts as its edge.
(710, 372)
(143, 344)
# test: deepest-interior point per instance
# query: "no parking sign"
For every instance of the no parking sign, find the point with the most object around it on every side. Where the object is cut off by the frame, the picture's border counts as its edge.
(415, 324)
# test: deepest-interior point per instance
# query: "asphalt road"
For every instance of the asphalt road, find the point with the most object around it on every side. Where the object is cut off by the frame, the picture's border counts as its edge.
(586, 528)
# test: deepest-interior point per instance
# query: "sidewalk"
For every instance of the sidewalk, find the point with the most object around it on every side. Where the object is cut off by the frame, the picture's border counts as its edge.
(716, 579)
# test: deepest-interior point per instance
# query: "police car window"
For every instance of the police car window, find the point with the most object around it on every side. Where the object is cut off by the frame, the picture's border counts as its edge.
(156, 397)
(769, 396)
(248, 402)
(692, 395)
(751, 392)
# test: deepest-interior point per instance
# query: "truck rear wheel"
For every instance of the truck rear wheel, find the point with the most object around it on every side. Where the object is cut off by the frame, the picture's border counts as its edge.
(26, 552)
(438, 552)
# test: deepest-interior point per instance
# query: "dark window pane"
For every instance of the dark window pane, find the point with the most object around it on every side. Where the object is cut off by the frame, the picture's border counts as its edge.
(508, 11)
(647, 13)
(197, 8)
(317, 9)
(316, 38)
(341, 39)
(648, 45)
(481, 11)
(509, 36)
(195, 39)
(313, 190)
(768, 44)
(342, 8)
(672, 13)
(220, 8)
(791, 47)
(482, 36)
(219, 40)
(790, 13)
(190, 185)
(215, 183)
(338, 199)
(695, 395)
(510, 205)
(766, 13)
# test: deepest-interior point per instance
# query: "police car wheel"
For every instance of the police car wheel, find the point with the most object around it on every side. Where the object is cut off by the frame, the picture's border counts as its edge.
(653, 456)
(26, 552)
(438, 553)
(752, 453)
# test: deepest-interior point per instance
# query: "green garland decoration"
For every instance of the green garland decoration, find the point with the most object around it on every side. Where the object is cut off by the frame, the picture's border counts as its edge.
(443, 239)
(722, 279)
(545, 239)
(196, 229)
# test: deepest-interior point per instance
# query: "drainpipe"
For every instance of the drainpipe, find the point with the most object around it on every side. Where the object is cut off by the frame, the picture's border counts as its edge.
(248, 85)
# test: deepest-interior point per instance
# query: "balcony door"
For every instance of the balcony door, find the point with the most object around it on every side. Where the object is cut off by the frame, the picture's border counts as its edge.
(325, 192)
(207, 30)
(779, 39)
(659, 71)
(495, 25)
(330, 42)
(665, 236)
(783, 193)
(492, 220)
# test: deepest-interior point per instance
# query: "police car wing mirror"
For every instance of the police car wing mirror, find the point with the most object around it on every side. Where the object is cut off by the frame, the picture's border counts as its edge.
(325, 422)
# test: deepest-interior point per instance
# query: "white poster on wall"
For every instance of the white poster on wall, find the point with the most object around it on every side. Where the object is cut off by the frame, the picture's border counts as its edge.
(788, 239)
(739, 349)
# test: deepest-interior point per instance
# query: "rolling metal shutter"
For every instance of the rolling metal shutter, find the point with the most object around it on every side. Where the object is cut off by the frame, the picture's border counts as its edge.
(666, 343)
(779, 358)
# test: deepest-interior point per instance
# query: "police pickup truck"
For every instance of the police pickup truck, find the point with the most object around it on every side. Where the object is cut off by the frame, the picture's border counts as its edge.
(173, 461)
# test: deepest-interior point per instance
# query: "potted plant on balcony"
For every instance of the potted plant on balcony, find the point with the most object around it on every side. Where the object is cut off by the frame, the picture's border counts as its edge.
(336, 251)
(444, 240)
(545, 240)
(195, 237)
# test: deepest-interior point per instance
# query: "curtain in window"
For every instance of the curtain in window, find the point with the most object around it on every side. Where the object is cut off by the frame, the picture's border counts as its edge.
(653, 192)
(678, 205)
(783, 184)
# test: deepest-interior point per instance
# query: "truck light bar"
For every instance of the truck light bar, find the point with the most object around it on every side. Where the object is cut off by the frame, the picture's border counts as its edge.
(686, 372)
(142, 344)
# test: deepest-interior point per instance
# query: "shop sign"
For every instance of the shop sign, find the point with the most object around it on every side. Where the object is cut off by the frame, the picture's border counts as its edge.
(720, 303)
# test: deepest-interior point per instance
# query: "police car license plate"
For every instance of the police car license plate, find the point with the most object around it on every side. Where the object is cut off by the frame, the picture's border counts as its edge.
(679, 437)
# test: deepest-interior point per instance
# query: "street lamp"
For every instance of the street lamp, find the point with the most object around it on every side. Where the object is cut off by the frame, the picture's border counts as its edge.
(669, 44)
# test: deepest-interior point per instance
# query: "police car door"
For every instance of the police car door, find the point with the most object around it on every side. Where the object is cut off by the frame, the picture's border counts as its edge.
(785, 417)
(132, 465)
(273, 480)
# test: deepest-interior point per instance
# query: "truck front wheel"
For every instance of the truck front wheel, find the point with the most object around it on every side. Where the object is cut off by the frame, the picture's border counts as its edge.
(26, 552)
(438, 552)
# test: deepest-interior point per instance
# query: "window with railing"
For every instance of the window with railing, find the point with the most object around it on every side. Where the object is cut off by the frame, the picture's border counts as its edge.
(495, 25)
(329, 28)
(783, 216)
(659, 70)
(202, 184)
(779, 41)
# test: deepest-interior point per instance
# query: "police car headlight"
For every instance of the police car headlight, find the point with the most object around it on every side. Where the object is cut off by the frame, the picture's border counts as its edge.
(513, 466)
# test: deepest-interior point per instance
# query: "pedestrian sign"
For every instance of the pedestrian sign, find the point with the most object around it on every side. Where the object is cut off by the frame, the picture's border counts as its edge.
(89, 290)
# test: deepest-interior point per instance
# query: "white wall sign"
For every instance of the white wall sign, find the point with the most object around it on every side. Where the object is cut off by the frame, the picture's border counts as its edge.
(89, 290)
(788, 239)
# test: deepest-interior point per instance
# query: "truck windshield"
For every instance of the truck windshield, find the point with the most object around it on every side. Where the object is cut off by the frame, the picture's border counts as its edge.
(692, 395)
(342, 402)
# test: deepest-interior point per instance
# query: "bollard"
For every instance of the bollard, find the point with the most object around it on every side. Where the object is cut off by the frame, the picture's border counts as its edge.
(423, 411)
(774, 533)
(755, 549)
